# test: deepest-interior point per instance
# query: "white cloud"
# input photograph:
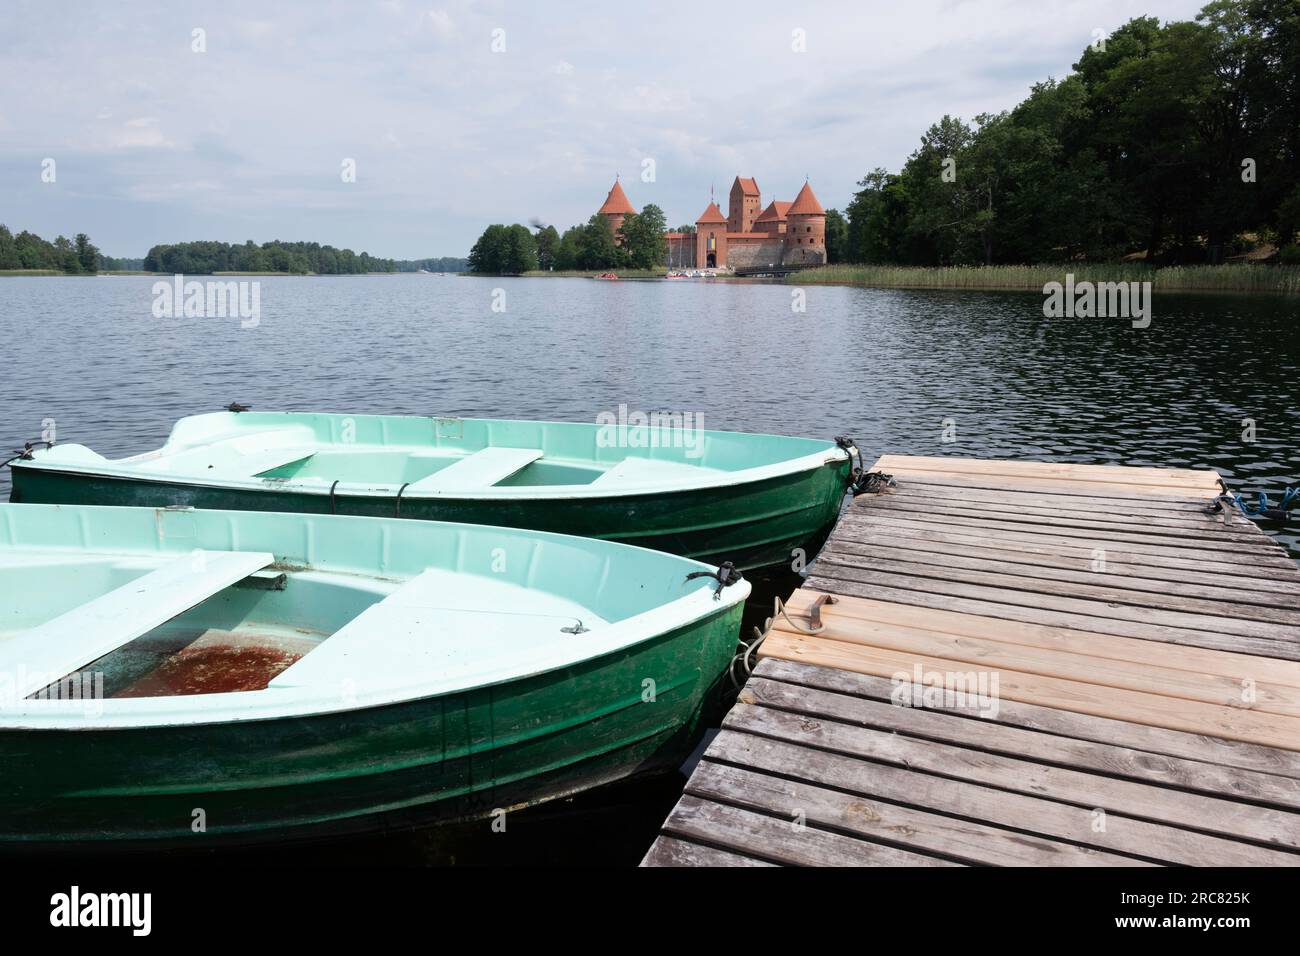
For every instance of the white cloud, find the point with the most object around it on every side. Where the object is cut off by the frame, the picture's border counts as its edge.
(450, 136)
(140, 133)
(441, 24)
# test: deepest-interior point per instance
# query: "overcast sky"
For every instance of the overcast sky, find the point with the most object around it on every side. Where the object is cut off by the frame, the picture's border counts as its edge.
(154, 142)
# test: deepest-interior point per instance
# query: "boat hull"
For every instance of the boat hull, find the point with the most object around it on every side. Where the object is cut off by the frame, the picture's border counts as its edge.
(758, 525)
(445, 758)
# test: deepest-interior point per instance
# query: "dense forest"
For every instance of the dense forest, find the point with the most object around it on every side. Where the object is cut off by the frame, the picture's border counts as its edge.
(1178, 143)
(79, 256)
(511, 250)
(26, 250)
(199, 258)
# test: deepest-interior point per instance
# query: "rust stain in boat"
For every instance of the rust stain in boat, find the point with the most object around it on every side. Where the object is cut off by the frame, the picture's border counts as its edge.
(219, 662)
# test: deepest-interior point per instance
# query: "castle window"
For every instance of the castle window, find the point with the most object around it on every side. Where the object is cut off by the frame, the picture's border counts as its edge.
(808, 229)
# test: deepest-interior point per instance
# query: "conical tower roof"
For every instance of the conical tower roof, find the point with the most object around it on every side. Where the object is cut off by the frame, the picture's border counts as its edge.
(806, 204)
(617, 202)
(712, 214)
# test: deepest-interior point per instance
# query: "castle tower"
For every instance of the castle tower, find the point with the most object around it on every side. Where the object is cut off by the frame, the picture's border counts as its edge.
(616, 208)
(805, 235)
(743, 205)
(711, 238)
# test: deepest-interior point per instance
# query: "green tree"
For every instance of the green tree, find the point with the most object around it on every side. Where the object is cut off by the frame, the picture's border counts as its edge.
(568, 254)
(1272, 83)
(488, 251)
(643, 238)
(8, 250)
(936, 195)
(596, 248)
(66, 255)
(837, 236)
(87, 255)
(548, 241)
(520, 253)
(877, 220)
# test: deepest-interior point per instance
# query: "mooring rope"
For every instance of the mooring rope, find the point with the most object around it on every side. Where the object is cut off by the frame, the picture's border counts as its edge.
(744, 656)
(862, 481)
(1262, 511)
(25, 454)
(726, 575)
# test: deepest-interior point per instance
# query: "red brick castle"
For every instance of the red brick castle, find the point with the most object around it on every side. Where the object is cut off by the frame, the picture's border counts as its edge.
(784, 233)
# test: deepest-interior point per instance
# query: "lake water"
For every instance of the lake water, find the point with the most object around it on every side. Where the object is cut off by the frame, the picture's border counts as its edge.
(886, 367)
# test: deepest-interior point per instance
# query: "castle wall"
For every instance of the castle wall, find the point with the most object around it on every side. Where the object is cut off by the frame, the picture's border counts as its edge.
(754, 249)
(681, 250)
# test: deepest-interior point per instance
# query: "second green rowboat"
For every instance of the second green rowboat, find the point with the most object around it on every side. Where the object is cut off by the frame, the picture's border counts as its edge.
(760, 501)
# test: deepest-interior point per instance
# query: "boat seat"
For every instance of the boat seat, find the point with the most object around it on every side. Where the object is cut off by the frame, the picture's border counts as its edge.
(482, 469)
(270, 459)
(237, 455)
(440, 626)
(43, 654)
(646, 471)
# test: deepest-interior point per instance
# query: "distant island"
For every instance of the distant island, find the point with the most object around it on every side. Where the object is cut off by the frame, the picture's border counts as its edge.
(28, 252)
(1167, 146)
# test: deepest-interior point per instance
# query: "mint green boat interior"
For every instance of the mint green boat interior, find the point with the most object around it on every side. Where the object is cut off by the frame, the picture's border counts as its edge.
(323, 613)
(361, 455)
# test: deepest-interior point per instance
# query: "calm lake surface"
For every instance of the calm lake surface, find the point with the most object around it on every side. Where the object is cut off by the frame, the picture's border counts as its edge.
(883, 366)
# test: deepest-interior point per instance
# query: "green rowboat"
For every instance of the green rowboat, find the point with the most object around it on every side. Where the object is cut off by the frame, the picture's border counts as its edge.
(181, 676)
(760, 501)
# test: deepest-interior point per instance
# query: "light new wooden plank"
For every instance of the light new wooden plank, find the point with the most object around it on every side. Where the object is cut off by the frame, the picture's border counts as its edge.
(1255, 562)
(1204, 587)
(1236, 668)
(1099, 491)
(42, 654)
(1042, 562)
(1163, 508)
(1256, 646)
(1026, 468)
(1252, 573)
(1226, 613)
(1196, 717)
(1098, 603)
(963, 798)
(979, 733)
(1184, 480)
(1277, 828)
(1271, 761)
(1068, 665)
(960, 840)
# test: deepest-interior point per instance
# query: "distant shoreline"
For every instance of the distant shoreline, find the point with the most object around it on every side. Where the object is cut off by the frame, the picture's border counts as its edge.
(136, 272)
(1233, 277)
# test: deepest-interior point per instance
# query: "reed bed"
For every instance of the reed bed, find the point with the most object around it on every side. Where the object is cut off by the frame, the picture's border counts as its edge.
(1233, 277)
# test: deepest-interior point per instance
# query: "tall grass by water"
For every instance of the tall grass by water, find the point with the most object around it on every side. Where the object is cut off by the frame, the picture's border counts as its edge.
(1233, 277)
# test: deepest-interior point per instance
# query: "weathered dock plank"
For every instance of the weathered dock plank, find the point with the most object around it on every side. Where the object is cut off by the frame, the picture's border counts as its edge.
(1140, 694)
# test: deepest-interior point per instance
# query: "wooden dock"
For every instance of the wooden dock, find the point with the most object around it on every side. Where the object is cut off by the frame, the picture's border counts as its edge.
(1020, 663)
